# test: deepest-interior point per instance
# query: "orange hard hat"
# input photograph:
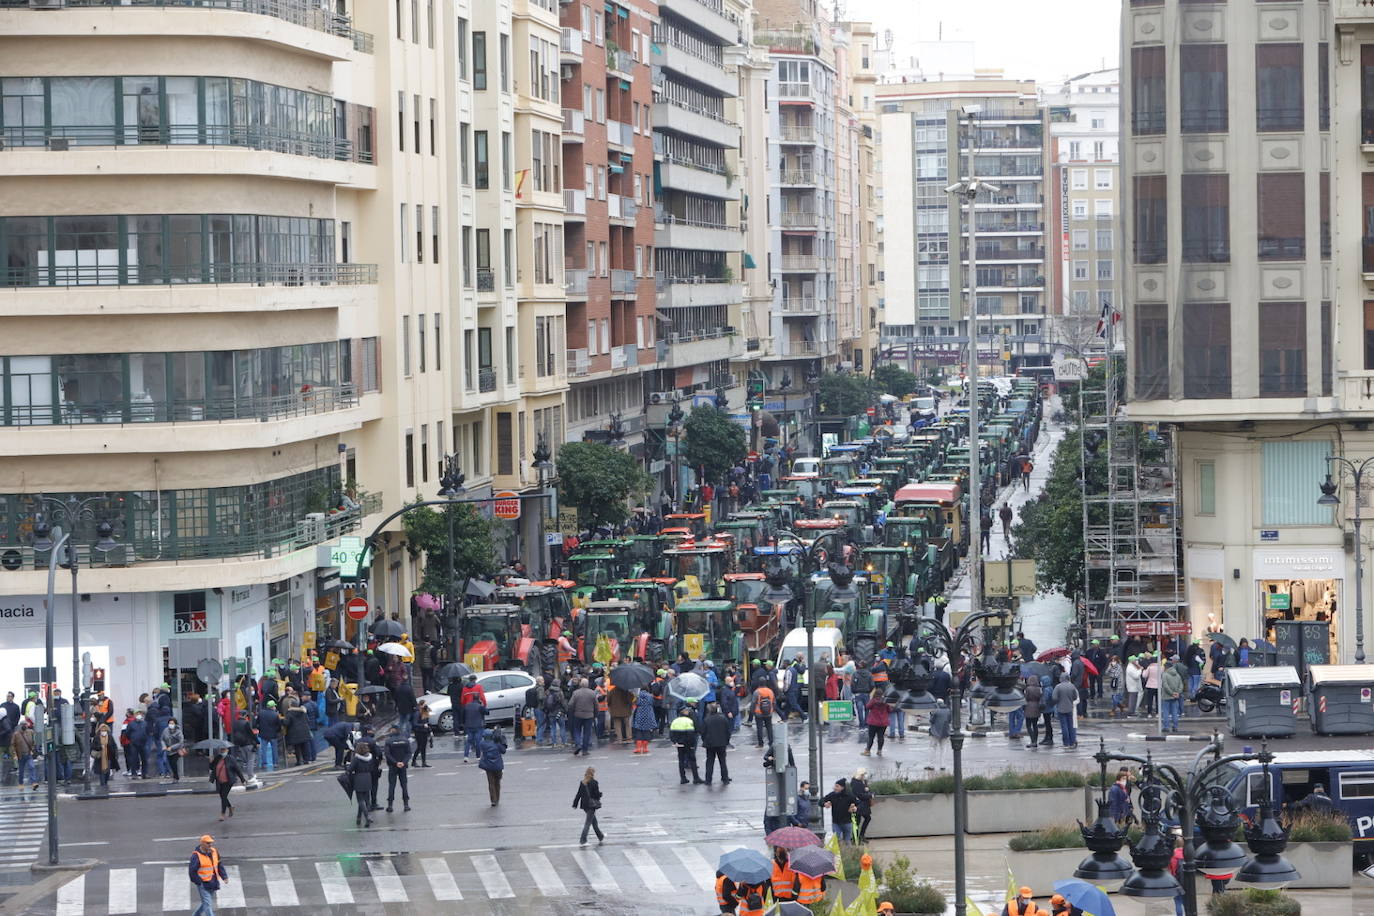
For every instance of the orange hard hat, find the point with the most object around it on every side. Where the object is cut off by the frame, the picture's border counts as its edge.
(886, 907)
(1025, 892)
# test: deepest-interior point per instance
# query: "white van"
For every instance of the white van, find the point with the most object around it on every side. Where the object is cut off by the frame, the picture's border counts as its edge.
(806, 467)
(826, 643)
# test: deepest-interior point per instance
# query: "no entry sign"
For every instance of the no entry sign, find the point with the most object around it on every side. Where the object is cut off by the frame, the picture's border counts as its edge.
(356, 608)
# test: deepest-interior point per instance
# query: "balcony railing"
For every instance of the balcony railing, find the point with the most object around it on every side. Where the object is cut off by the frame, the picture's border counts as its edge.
(574, 201)
(799, 133)
(629, 209)
(307, 401)
(1000, 253)
(794, 90)
(486, 281)
(217, 274)
(802, 262)
(623, 357)
(805, 305)
(575, 281)
(798, 218)
(579, 363)
(623, 281)
(798, 176)
(297, 12)
(296, 143)
(573, 121)
(486, 379)
(804, 347)
(571, 42)
(620, 62)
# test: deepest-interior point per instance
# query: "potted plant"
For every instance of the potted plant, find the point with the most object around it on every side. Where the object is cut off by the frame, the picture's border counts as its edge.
(897, 883)
(1253, 902)
(1321, 849)
(925, 807)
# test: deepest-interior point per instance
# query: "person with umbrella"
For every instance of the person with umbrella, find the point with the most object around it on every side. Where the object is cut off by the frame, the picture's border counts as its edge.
(224, 770)
(811, 864)
(361, 779)
(737, 870)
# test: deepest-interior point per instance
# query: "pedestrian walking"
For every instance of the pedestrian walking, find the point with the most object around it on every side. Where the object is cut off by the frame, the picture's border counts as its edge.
(207, 874)
(985, 528)
(174, 746)
(361, 776)
(1026, 467)
(224, 772)
(104, 755)
(1034, 695)
(940, 719)
(763, 714)
(878, 717)
(1005, 514)
(715, 737)
(554, 731)
(683, 732)
(24, 747)
(863, 804)
(474, 718)
(841, 805)
(245, 740)
(492, 761)
(588, 798)
(1134, 685)
(424, 735)
(397, 751)
(644, 720)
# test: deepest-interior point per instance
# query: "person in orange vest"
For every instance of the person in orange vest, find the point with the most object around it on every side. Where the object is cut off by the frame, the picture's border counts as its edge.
(784, 879)
(750, 899)
(764, 703)
(880, 673)
(810, 890)
(565, 650)
(207, 874)
(725, 893)
(1022, 905)
(602, 707)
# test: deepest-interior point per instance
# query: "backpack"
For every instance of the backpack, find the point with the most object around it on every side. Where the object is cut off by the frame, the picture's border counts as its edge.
(764, 707)
(862, 681)
(553, 701)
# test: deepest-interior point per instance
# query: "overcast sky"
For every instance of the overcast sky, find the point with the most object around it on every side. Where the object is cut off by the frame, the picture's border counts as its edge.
(1044, 40)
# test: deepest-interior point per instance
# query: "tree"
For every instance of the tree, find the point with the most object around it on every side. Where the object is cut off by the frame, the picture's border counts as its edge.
(1051, 527)
(895, 380)
(715, 443)
(598, 480)
(845, 395)
(426, 530)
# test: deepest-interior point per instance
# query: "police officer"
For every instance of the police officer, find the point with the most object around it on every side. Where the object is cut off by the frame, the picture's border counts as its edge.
(398, 750)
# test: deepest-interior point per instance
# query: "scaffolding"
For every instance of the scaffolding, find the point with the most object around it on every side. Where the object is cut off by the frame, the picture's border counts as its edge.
(1130, 516)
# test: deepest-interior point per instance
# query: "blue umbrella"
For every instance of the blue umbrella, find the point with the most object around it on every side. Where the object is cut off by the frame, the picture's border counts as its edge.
(1089, 898)
(745, 866)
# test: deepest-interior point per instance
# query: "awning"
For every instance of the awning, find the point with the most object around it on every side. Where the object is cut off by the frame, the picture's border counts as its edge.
(749, 260)
(624, 86)
(617, 169)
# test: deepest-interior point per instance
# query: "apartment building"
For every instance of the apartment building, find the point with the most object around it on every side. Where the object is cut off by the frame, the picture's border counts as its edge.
(251, 300)
(860, 92)
(1247, 202)
(608, 238)
(925, 288)
(1085, 188)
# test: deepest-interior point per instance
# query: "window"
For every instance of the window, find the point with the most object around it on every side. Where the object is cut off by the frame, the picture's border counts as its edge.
(1104, 240)
(1323, 89)
(1078, 179)
(462, 49)
(433, 122)
(438, 351)
(505, 62)
(1206, 350)
(405, 231)
(410, 459)
(1151, 361)
(419, 234)
(400, 25)
(1102, 208)
(1080, 270)
(508, 256)
(469, 378)
(401, 121)
(1075, 150)
(1147, 90)
(586, 22)
(345, 242)
(370, 369)
(434, 233)
(480, 156)
(1356, 785)
(424, 452)
(1151, 219)
(507, 169)
(464, 133)
(1327, 355)
(1287, 471)
(1282, 349)
(415, 21)
(1202, 88)
(479, 60)
(1104, 269)
(1080, 209)
(466, 256)
(1206, 488)
(485, 281)
(510, 358)
(1324, 211)
(429, 22)
(420, 344)
(1278, 87)
(415, 113)
(505, 447)
(1206, 219)
(1102, 179)
(405, 344)
(1282, 215)
(1099, 123)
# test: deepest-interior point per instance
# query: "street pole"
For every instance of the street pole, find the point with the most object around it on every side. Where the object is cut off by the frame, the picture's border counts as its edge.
(1328, 498)
(50, 671)
(813, 765)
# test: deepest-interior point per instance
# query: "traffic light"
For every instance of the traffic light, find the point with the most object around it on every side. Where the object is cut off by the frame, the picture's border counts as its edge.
(757, 384)
(755, 405)
(97, 679)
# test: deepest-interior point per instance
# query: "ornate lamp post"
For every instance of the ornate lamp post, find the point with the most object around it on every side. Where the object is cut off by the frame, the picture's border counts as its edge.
(675, 417)
(542, 464)
(1356, 472)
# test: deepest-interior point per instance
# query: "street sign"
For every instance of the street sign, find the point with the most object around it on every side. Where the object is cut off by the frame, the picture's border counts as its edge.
(838, 711)
(753, 456)
(506, 505)
(343, 554)
(209, 671)
(1158, 628)
(1009, 578)
(1139, 628)
(1070, 369)
(356, 609)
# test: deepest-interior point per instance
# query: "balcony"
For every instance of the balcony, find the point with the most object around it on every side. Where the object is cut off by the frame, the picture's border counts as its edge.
(624, 357)
(619, 63)
(798, 177)
(706, 71)
(570, 46)
(699, 124)
(799, 219)
(623, 282)
(619, 207)
(575, 282)
(803, 263)
(310, 15)
(794, 91)
(217, 274)
(680, 232)
(683, 292)
(682, 175)
(698, 347)
(809, 348)
(579, 363)
(707, 15)
(802, 306)
(1355, 11)
(142, 410)
(486, 379)
(798, 133)
(574, 202)
(573, 129)
(182, 138)
(486, 280)
(988, 253)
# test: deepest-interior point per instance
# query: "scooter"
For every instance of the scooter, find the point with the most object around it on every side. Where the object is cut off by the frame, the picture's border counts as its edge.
(1209, 697)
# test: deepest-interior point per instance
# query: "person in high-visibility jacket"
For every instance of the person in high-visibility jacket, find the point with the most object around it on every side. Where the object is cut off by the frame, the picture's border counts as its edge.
(207, 872)
(880, 673)
(725, 894)
(784, 879)
(1023, 905)
(750, 900)
(810, 890)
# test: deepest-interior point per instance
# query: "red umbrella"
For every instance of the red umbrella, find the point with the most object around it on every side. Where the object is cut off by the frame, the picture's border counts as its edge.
(1050, 655)
(792, 838)
(1088, 665)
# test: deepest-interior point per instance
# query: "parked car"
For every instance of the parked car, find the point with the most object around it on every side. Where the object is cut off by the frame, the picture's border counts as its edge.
(505, 698)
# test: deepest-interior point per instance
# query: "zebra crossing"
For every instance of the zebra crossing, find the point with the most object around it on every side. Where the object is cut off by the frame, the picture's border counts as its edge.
(23, 827)
(665, 869)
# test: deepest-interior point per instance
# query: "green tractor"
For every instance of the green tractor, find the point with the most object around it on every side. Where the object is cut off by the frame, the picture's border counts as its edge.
(619, 630)
(700, 571)
(706, 628)
(593, 571)
(837, 601)
(652, 619)
(645, 555)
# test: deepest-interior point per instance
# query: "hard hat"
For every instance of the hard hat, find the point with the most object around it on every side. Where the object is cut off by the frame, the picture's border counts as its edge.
(207, 839)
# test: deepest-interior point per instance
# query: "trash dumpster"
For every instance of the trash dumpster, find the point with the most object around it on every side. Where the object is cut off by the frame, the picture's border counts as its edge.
(1341, 699)
(1263, 702)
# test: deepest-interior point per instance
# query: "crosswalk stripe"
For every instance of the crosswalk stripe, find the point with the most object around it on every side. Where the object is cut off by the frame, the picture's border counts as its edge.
(441, 881)
(336, 889)
(231, 891)
(697, 866)
(545, 878)
(655, 881)
(493, 879)
(176, 889)
(123, 890)
(71, 897)
(598, 875)
(280, 887)
(388, 883)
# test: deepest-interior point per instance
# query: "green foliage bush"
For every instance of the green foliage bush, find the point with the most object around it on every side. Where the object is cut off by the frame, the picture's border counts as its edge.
(1315, 827)
(908, 895)
(1008, 780)
(1253, 902)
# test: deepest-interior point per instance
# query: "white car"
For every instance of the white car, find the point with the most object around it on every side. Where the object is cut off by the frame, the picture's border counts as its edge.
(505, 698)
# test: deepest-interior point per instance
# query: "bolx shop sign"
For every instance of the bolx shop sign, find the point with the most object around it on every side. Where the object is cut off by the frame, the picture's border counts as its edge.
(190, 621)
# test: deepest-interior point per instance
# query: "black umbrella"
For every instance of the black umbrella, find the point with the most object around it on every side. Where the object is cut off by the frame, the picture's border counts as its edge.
(1035, 669)
(338, 644)
(1222, 638)
(390, 628)
(211, 744)
(479, 588)
(372, 688)
(452, 671)
(631, 677)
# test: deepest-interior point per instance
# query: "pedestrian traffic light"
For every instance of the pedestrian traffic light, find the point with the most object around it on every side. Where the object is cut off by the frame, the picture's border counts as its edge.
(757, 384)
(98, 679)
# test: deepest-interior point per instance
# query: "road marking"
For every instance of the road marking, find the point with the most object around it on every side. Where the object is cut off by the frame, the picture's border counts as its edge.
(71, 897)
(441, 881)
(124, 890)
(598, 875)
(696, 865)
(231, 891)
(280, 887)
(653, 877)
(91, 843)
(174, 839)
(387, 882)
(493, 879)
(176, 889)
(544, 876)
(335, 885)
(463, 852)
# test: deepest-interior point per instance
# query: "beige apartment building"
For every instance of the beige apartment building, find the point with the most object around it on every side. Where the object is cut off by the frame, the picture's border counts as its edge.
(264, 268)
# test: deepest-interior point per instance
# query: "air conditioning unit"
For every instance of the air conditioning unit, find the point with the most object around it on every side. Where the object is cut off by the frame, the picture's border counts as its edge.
(14, 559)
(565, 71)
(662, 397)
(47, 4)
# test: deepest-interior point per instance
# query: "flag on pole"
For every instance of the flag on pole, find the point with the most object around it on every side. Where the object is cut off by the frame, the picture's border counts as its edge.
(866, 904)
(832, 843)
(1107, 319)
(973, 908)
(838, 908)
(1012, 887)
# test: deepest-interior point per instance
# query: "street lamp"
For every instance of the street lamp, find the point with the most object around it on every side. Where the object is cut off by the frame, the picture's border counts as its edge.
(542, 465)
(1191, 798)
(675, 417)
(451, 488)
(1329, 498)
(1005, 698)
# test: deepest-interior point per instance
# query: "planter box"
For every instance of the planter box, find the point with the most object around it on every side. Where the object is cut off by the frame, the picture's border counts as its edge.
(988, 812)
(1057, 862)
(1321, 864)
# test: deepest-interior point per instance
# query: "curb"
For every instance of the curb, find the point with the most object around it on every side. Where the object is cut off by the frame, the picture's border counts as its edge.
(1170, 737)
(72, 865)
(156, 793)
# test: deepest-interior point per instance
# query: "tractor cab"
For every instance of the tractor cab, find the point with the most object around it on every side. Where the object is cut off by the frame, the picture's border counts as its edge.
(809, 529)
(545, 608)
(785, 512)
(840, 466)
(494, 634)
(809, 489)
(788, 556)
(759, 619)
(593, 571)
(893, 573)
(645, 554)
(707, 629)
(839, 600)
(854, 514)
(870, 489)
(609, 632)
(700, 570)
(744, 533)
(692, 523)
